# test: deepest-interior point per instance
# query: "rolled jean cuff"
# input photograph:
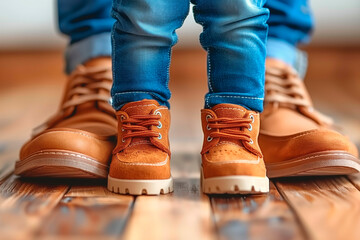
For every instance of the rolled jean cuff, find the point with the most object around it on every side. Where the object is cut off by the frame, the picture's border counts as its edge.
(98, 45)
(249, 102)
(288, 53)
(118, 100)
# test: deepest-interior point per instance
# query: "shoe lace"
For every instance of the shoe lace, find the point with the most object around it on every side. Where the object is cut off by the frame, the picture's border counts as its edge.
(88, 84)
(284, 86)
(139, 126)
(230, 128)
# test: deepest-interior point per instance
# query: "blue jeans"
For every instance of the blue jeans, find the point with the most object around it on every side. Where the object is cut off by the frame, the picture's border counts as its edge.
(234, 36)
(89, 26)
(290, 24)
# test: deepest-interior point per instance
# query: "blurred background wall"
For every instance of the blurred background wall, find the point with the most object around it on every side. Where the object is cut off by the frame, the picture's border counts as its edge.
(28, 24)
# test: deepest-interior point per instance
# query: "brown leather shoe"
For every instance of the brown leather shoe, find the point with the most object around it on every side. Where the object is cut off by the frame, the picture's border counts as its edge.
(141, 159)
(77, 142)
(294, 138)
(231, 158)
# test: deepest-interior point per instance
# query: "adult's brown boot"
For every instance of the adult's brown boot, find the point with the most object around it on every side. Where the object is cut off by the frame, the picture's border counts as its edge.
(77, 142)
(295, 139)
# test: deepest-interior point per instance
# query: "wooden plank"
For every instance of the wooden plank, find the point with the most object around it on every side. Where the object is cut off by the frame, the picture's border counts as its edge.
(174, 216)
(184, 214)
(6, 165)
(355, 180)
(16, 124)
(9, 152)
(88, 211)
(93, 189)
(328, 207)
(25, 109)
(264, 216)
(185, 165)
(23, 205)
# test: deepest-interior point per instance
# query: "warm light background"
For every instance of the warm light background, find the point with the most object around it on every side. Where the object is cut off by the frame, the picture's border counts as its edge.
(31, 78)
(32, 24)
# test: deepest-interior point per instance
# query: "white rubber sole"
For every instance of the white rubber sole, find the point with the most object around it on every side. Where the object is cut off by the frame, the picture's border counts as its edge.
(235, 185)
(140, 187)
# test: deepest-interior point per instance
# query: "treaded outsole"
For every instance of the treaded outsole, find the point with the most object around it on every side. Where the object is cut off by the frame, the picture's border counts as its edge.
(140, 187)
(234, 185)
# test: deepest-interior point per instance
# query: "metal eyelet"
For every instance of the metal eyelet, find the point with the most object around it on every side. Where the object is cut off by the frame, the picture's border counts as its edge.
(208, 128)
(251, 141)
(250, 127)
(209, 139)
(252, 118)
(122, 118)
(160, 125)
(123, 140)
(208, 116)
(123, 130)
(158, 113)
(159, 137)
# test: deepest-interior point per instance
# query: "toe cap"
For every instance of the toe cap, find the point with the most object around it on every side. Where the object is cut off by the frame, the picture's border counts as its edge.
(140, 163)
(282, 148)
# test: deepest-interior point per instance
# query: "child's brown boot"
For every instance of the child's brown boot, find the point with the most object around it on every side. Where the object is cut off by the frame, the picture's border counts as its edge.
(231, 158)
(141, 159)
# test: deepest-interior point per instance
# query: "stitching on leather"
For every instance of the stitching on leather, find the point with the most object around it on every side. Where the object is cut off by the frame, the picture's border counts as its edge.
(140, 106)
(234, 161)
(256, 113)
(66, 154)
(224, 142)
(146, 164)
(322, 155)
(303, 134)
(229, 109)
(294, 137)
(139, 143)
(83, 134)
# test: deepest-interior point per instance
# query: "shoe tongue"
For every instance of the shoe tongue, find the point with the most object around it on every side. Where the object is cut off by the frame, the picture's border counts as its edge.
(100, 65)
(229, 111)
(140, 107)
(273, 62)
(280, 69)
(100, 61)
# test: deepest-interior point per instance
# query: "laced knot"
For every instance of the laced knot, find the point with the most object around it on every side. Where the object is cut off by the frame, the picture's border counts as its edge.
(88, 84)
(140, 126)
(283, 85)
(232, 128)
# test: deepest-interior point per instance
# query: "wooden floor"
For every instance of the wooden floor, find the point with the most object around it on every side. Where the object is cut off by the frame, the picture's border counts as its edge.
(296, 208)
